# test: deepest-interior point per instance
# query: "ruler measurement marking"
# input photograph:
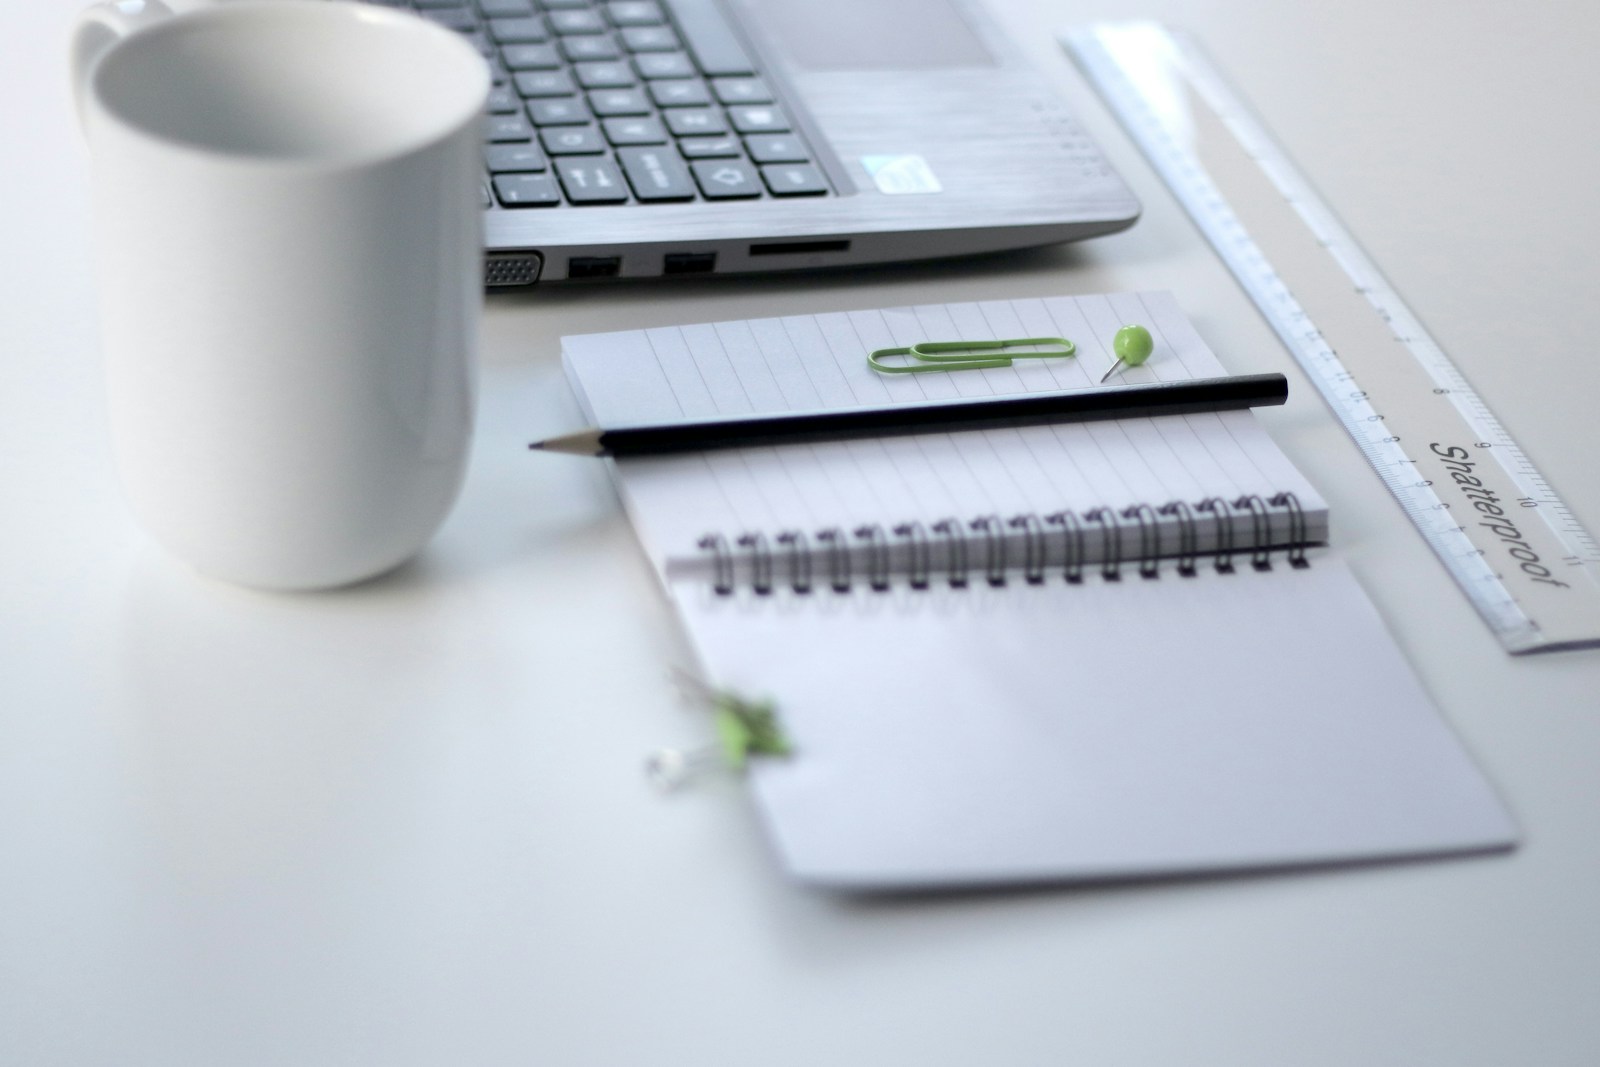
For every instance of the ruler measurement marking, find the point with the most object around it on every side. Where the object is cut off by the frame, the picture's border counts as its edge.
(1442, 433)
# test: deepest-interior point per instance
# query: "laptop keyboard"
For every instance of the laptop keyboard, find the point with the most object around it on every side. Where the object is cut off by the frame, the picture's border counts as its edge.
(625, 102)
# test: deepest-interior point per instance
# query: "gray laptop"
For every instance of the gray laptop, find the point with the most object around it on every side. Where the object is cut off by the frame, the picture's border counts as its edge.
(641, 138)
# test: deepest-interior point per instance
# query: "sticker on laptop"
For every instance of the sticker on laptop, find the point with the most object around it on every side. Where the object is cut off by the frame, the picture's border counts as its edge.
(902, 174)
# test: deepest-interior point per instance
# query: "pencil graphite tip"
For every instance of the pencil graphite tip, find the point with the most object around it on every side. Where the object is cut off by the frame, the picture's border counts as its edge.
(583, 443)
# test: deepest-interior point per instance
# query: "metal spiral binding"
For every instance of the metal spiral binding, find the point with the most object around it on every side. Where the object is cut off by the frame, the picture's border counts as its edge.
(955, 539)
(760, 561)
(1110, 543)
(1072, 544)
(838, 559)
(1188, 536)
(994, 548)
(1260, 530)
(1297, 527)
(1149, 538)
(921, 555)
(1032, 547)
(1219, 507)
(798, 551)
(877, 556)
(722, 562)
(950, 546)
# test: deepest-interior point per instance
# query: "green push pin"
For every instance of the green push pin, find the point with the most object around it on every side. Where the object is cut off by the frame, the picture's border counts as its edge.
(1132, 345)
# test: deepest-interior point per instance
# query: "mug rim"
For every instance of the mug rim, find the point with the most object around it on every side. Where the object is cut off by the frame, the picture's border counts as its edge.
(253, 10)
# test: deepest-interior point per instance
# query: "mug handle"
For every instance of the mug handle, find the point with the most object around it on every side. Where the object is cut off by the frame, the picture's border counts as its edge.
(100, 27)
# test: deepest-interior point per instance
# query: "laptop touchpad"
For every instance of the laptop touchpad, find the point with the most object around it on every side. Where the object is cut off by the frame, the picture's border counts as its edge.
(873, 34)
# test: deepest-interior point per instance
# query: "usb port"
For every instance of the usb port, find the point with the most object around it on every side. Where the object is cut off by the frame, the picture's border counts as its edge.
(689, 263)
(594, 266)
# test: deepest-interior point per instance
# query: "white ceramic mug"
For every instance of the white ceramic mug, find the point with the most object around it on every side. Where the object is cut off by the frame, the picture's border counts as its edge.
(289, 237)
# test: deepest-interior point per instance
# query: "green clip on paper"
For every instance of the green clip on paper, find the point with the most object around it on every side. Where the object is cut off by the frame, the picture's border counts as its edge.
(966, 355)
(745, 728)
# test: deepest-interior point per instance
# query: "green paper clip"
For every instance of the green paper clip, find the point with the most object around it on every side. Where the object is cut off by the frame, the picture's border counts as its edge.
(745, 728)
(748, 728)
(960, 355)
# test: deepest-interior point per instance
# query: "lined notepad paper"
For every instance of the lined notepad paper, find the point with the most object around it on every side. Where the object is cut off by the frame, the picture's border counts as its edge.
(803, 363)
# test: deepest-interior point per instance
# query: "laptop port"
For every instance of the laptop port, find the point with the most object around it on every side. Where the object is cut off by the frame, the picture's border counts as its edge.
(594, 266)
(689, 263)
(512, 268)
(792, 248)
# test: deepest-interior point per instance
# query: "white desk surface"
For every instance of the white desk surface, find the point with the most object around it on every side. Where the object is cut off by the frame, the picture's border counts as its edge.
(406, 824)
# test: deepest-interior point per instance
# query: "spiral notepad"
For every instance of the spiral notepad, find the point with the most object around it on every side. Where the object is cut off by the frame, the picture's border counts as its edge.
(1083, 651)
(1001, 491)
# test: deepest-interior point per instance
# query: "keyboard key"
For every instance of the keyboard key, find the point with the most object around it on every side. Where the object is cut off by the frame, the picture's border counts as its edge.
(714, 44)
(650, 39)
(777, 148)
(592, 181)
(725, 179)
(709, 147)
(502, 101)
(514, 158)
(653, 65)
(526, 190)
(758, 119)
(794, 179)
(635, 13)
(541, 83)
(741, 91)
(583, 49)
(558, 111)
(604, 75)
(634, 131)
(577, 21)
(656, 174)
(500, 128)
(452, 18)
(619, 102)
(679, 94)
(518, 31)
(494, 9)
(530, 57)
(695, 122)
(572, 141)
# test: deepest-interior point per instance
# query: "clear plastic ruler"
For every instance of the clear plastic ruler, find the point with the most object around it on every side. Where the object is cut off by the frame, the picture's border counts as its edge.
(1521, 556)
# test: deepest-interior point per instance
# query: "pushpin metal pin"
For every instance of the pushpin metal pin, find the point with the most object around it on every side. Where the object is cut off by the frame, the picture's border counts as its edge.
(1132, 346)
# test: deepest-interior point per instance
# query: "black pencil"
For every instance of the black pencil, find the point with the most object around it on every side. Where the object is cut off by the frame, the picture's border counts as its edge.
(931, 416)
